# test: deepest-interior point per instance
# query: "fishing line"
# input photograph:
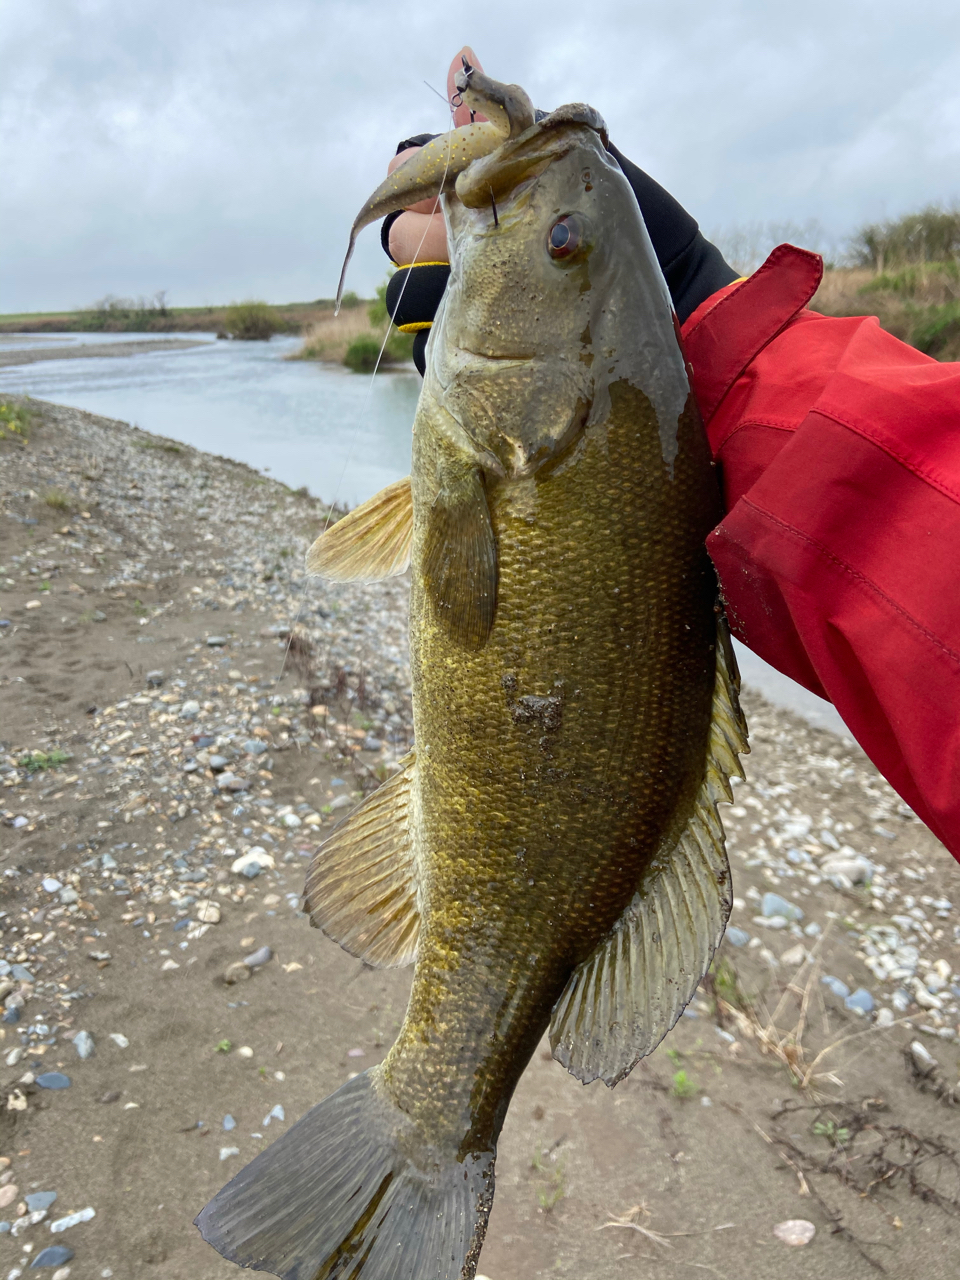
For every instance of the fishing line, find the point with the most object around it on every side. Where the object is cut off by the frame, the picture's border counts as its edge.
(366, 403)
(163, 1054)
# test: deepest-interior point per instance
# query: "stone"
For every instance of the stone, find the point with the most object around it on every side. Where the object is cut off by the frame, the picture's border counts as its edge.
(40, 1200)
(860, 1001)
(771, 904)
(795, 1231)
(845, 872)
(69, 895)
(257, 856)
(54, 1080)
(277, 1113)
(884, 1018)
(83, 1043)
(259, 957)
(227, 1152)
(229, 1123)
(208, 912)
(231, 782)
(61, 1273)
(341, 802)
(795, 957)
(8, 1194)
(254, 747)
(218, 763)
(924, 998)
(55, 1255)
(216, 642)
(372, 744)
(108, 862)
(291, 820)
(22, 973)
(73, 1219)
(50, 885)
(923, 1060)
(190, 709)
(154, 679)
(236, 972)
(839, 989)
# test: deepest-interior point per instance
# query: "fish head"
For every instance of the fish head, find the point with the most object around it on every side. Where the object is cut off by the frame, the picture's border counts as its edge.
(554, 292)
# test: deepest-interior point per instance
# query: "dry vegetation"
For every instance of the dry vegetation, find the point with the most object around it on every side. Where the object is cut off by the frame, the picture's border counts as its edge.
(329, 337)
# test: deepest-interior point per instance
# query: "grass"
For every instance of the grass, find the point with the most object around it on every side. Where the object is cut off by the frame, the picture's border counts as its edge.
(681, 1086)
(16, 420)
(37, 760)
(294, 317)
(918, 303)
(549, 1195)
(58, 500)
(355, 336)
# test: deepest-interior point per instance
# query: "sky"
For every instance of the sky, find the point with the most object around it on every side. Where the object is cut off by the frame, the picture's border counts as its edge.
(220, 149)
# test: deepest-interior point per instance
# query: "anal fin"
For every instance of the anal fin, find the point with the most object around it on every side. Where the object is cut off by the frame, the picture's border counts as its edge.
(371, 542)
(624, 998)
(361, 888)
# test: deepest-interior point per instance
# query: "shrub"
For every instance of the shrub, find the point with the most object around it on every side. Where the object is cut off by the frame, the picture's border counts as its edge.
(931, 235)
(362, 354)
(57, 499)
(252, 321)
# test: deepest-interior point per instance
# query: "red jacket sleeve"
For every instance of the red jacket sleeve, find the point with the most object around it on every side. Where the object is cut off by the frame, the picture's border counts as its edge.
(839, 455)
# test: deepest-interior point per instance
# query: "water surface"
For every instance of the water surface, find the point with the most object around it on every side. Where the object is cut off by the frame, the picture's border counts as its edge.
(343, 435)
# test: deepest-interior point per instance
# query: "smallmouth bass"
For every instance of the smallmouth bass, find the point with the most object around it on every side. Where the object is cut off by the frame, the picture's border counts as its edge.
(550, 858)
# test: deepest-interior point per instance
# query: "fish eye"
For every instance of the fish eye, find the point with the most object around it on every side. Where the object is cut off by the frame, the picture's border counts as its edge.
(566, 236)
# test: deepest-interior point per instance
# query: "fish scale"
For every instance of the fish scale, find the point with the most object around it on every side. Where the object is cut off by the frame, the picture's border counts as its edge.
(550, 857)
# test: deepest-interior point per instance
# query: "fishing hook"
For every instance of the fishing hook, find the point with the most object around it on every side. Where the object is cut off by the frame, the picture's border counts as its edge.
(493, 205)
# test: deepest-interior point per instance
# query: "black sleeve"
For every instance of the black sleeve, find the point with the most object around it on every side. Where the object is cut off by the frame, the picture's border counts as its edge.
(692, 267)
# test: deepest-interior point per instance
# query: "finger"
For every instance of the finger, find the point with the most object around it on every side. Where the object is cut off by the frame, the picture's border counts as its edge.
(461, 115)
(416, 237)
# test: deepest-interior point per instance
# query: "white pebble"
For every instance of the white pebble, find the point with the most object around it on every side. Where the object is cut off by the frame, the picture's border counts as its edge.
(795, 1231)
(245, 1051)
(227, 1152)
(73, 1219)
(121, 1041)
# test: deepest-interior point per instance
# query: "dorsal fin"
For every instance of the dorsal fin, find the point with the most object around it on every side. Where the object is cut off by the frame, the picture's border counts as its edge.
(624, 998)
(361, 888)
(371, 542)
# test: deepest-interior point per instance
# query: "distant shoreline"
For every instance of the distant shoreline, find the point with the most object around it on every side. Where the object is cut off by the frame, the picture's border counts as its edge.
(66, 351)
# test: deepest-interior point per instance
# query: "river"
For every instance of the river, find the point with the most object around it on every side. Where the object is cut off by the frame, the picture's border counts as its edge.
(341, 434)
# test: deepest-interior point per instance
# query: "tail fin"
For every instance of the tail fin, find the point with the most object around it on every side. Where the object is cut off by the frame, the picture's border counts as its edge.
(339, 1197)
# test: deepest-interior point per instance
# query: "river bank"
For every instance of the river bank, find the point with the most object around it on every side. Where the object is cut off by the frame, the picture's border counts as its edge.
(161, 736)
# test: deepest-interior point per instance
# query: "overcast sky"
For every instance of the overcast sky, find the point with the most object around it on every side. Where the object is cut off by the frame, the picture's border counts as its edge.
(219, 149)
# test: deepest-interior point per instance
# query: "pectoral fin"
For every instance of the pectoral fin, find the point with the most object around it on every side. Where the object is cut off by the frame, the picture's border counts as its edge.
(370, 543)
(624, 998)
(362, 884)
(460, 557)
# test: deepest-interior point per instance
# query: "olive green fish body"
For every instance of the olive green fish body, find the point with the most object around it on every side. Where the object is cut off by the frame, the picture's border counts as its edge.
(550, 856)
(551, 761)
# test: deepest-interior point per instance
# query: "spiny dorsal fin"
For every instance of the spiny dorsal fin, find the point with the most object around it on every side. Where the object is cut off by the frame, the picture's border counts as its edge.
(460, 557)
(361, 888)
(624, 998)
(370, 543)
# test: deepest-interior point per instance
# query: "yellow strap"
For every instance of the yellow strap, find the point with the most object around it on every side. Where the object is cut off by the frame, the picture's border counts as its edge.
(416, 326)
(422, 264)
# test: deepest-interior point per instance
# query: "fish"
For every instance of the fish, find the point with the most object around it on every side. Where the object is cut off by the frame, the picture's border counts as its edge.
(549, 857)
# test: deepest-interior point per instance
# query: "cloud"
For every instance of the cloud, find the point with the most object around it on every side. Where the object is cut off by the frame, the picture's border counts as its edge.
(221, 150)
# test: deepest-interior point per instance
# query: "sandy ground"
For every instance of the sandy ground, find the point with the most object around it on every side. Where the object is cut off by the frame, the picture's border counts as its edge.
(78, 350)
(152, 734)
